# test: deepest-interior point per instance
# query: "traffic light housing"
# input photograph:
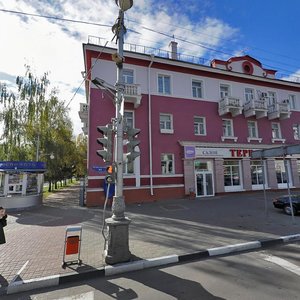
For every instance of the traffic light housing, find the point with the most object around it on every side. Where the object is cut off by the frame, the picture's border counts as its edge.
(106, 141)
(131, 143)
(110, 176)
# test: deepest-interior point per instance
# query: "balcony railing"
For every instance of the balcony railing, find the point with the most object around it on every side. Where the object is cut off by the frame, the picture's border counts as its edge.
(83, 112)
(279, 110)
(230, 105)
(94, 40)
(256, 107)
(133, 94)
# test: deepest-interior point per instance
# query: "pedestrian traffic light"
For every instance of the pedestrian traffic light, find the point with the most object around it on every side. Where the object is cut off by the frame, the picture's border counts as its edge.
(131, 143)
(106, 141)
(110, 174)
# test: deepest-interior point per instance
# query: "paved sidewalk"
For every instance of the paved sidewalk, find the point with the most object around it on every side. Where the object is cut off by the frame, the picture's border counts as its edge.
(35, 237)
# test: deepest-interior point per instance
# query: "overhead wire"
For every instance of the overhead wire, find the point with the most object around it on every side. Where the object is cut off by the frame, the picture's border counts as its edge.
(184, 40)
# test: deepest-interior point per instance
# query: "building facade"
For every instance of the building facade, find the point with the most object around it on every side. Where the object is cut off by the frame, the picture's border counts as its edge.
(199, 123)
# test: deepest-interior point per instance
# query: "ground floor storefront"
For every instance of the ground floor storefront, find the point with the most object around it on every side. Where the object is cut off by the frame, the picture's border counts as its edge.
(212, 170)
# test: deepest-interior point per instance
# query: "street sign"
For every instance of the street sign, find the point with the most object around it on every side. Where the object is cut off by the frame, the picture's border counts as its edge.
(100, 169)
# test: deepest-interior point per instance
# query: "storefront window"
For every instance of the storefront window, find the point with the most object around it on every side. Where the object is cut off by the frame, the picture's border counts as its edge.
(32, 184)
(15, 183)
(256, 172)
(201, 165)
(2, 176)
(280, 172)
(231, 173)
(298, 163)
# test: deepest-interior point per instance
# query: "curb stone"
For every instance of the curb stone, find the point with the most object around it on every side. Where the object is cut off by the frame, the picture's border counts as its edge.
(55, 280)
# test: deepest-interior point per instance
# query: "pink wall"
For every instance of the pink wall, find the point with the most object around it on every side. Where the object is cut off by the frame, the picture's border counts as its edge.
(183, 111)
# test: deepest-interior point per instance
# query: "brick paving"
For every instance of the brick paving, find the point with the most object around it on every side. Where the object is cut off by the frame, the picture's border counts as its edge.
(35, 237)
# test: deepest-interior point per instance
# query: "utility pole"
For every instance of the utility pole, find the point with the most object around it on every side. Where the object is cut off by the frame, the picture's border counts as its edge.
(117, 248)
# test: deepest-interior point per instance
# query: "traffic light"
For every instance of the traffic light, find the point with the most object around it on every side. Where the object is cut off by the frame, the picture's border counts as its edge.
(110, 175)
(106, 141)
(131, 143)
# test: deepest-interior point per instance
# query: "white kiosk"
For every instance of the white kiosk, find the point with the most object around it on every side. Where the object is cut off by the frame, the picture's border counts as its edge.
(21, 184)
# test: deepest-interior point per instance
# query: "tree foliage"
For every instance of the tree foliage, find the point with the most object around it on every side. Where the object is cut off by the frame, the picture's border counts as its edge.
(36, 124)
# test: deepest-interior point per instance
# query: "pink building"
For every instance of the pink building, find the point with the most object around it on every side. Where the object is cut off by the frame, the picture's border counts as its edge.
(199, 123)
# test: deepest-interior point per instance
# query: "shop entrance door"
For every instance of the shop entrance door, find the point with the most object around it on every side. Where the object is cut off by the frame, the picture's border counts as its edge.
(204, 184)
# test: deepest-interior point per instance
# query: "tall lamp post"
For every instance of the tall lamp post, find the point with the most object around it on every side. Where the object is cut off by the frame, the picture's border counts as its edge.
(117, 248)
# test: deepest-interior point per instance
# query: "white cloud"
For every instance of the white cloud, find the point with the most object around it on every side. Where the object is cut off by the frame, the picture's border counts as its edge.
(295, 77)
(56, 46)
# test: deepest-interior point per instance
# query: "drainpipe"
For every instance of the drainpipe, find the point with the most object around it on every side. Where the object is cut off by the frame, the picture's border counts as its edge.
(150, 127)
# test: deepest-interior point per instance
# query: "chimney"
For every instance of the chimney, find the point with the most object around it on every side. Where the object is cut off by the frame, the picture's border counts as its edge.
(173, 49)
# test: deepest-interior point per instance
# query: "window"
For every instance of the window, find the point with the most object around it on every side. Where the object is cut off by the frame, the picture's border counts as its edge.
(249, 94)
(128, 76)
(227, 128)
(164, 84)
(280, 172)
(276, 133)
(197, 89)
(296, 130)
(166, 123)
(272, 98)
(252, 129)
(256, 172)
(128, 119)
(224, 90)
(199, 126)
(231, 173)
(167, 163)
(298, 165)
(292, 101)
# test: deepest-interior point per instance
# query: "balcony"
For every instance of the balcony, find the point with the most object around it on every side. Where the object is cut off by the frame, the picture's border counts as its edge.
(257, 108)
(279, 111)
(83, 112)
(133, 94)
(230, 105)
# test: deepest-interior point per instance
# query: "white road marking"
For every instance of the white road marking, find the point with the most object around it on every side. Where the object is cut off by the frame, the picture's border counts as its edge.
(24, 266)
(283, 263)
(84, 296)
(19, 272)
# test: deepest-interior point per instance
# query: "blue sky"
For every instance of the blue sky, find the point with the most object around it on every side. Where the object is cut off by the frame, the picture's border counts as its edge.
(264, 29)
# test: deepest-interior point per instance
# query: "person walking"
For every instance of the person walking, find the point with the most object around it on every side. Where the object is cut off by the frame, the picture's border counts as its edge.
(3, 223)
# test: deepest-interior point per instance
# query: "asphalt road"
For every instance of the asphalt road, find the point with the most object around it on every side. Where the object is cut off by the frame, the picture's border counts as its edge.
(266, 275)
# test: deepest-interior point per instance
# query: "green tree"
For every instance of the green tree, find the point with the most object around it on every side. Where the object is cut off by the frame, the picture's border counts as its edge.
(35, 124)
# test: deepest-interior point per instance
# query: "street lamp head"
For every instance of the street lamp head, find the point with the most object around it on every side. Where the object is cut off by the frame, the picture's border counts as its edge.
(124, 4)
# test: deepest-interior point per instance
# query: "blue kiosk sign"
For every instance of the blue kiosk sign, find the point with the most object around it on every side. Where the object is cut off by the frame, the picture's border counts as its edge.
(21, 183)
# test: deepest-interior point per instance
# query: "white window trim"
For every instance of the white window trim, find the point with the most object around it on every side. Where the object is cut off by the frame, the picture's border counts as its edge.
(278, 140)
(173, 161)
(298, 138)
(293, 102)
(165, 75)
(225, 137)
(204, 125)
(249, 139)
(134, 74)
(229, 89)
(202, 88)
(164, 130)
(232, 138)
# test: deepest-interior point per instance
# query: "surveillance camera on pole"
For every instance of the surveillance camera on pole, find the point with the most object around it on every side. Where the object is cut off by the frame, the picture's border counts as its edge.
(106, 141)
